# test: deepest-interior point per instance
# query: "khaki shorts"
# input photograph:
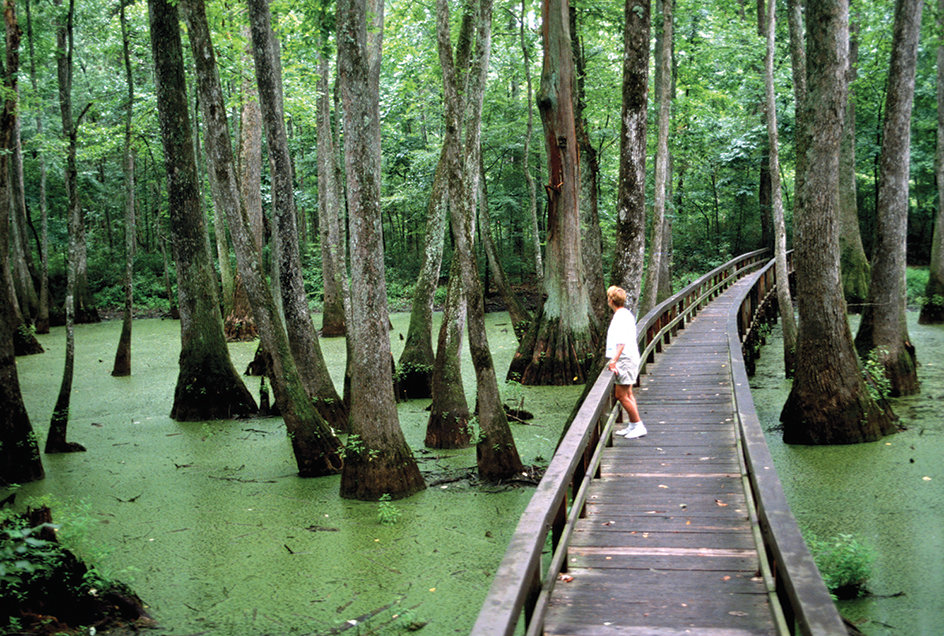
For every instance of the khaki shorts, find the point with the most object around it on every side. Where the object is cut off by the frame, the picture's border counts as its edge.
(626, 372)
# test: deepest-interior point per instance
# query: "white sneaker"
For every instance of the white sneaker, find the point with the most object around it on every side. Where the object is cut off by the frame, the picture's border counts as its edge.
(634, 430)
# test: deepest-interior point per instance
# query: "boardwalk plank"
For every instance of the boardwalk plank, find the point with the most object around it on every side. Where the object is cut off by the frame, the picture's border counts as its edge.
(666, 546)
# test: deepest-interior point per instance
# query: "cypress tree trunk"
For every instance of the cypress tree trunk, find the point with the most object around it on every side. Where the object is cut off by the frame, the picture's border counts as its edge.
(591, 247)
(448, 425)
(417, 361)
(19, 452)
(828, 402)
(377, 460)
(122, 365)
(301, 331)
(559, 347)
(631, 196)
(208, 386)
(784, 299)
(854, 265)
(317, 450)
(333, 241)
(42, 316)
(884, 328)
(664, 99)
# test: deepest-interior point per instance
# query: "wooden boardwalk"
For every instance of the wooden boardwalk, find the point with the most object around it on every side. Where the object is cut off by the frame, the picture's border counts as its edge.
(667, 546)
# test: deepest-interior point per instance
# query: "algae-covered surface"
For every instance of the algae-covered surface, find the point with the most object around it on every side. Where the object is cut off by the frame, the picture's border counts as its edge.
(212, 527)
(889, 494)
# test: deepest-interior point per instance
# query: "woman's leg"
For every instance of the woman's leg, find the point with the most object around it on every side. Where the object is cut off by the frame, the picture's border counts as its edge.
(624, 395)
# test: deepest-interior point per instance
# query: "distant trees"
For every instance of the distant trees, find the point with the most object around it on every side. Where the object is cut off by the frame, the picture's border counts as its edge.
(932, 312)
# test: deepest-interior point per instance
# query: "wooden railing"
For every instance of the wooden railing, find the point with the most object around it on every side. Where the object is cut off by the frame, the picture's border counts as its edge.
(524, 579)
(794, 583)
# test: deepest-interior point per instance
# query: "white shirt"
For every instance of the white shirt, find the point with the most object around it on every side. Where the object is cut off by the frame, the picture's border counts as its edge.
(622, 331)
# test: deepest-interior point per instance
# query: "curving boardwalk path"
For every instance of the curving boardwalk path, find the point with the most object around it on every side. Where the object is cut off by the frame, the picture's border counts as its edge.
(667, 546)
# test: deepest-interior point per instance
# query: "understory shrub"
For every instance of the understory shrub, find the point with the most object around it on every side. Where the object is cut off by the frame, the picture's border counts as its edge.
(844, 563)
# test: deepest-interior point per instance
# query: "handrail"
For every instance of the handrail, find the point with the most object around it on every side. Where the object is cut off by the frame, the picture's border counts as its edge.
(796, 581)
(523, 582)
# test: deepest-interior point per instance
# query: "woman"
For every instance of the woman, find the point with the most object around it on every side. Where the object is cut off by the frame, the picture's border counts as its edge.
(623, 354)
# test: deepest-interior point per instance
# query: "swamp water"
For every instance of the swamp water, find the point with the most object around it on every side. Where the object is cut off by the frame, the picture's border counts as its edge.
(889, 494)
(212, 527)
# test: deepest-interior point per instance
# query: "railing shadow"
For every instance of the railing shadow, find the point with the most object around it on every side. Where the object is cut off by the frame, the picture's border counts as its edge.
(525, 578)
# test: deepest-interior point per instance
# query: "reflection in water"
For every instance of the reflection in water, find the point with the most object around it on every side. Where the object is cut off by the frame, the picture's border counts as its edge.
(889, 494)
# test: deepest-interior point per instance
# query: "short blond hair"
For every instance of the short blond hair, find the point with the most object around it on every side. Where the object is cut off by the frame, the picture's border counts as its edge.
(616, 295)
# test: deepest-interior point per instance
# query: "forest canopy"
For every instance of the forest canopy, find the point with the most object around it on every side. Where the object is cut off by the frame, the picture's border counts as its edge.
(717, 138)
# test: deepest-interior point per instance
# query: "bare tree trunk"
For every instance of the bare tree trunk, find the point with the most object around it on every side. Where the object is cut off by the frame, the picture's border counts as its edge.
(496, 453)
(380, 462)
(854, 264)
(448, 424)
(884, 327)
(526, 162)
(631, 196)
(301, 331)
(20, 461)
(798, 70)
(416, 364)
(828, 402)
(520, 318)
(58, 425)
(20, 259)
(664, 99)
(208, 386)
(239, 323)
(591, 247)
(932, 312)
(122, 365)
(317, 449)
(780, 230)
(42, 316)
(333, 243)
(559, 347)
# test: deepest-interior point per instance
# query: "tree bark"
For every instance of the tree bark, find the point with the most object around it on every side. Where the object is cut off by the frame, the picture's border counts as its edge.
(798, 71)
(519, 316)
(208, 386)
(19, 451)
(664, 99)
(58, 425)
(828, 402)
(784, 300)
(526, 157)
(239, 323)
(333, 239)
(317, 449)
(301, 331)
(559, 347)
(631, 195)
(417, 361)
(854, 265)
(42, 317)
(378, 460)
(496, 454)
(932, 312)
(448, 424)
(884, 327)
(122, 366)
(591, 247)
